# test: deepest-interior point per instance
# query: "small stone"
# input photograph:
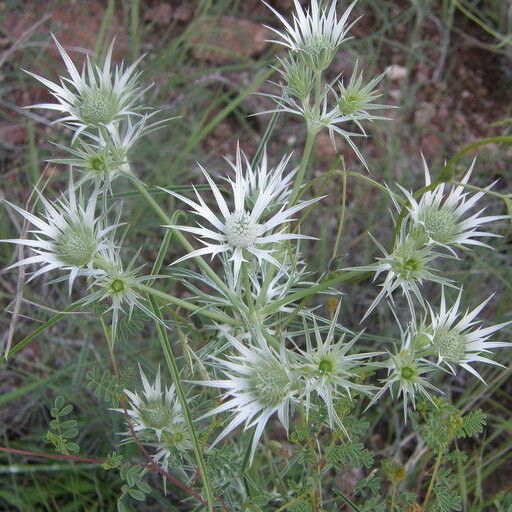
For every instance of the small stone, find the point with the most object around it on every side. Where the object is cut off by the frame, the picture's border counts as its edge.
(225, 39)
(161, 14)
(396, 72)
(183, 13)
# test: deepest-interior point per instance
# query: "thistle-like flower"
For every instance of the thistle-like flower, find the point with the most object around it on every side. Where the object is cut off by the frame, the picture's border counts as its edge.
(259, 382)
(356, 99)
(246, 229)
(439, 217)
(406, 267)
(406, 370)
(103, 157)
(316, 33)
(157, 410)
(67, 236)
(456, 341)
(262, 179)
(329, 370)
(299, 78)
(118, 286)
(97, 96)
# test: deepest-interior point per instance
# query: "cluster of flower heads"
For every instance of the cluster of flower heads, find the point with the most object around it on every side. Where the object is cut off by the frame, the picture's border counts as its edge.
(433, 228)
(312, 41)
(76, 233)
(260, 369)
(155, 416)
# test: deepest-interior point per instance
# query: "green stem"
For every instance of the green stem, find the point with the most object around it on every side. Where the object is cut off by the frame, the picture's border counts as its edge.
(393, 498)
(247, 286)
(175, 374)
(170, 299)
(308, 148)
(432, 480)
(310, 141)
(341, 220)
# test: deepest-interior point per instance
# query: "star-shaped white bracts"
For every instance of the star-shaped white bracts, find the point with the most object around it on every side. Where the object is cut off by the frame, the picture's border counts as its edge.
(329, 370)
(406, 268)
(316, 34)
(68, 235)
(455, 339)
(246, 229)
(98, 96)
(439, 217)
(407, 371)
(157, 409)
(258, 383)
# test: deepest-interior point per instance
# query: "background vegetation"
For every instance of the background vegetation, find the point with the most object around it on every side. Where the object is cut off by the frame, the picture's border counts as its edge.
(450, 72)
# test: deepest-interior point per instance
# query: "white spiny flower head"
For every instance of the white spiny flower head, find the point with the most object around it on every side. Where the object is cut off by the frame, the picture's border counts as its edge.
(406, 267)
(244, 230)
(119, 286)
(68, 234)
(316, 34)
(98, 96)
(329, 370)
(407, 371)
(103, 157)
(157, 410)
(457, 340)
(441, 217)
(258, 383)
(357, 99)
(262, 179)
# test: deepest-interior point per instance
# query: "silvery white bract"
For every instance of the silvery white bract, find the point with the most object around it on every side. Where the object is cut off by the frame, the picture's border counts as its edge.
(407, 371)
(67, 236)
(262, 179)
(258, 383)
(103, 157)
(315, 33)
(439, 217)
(119, 286)
(318, 118)
(98, 96)
(157, 409)
(329, 370)
(244, 229)
(457, 341)
(406, 267)
(269, 285)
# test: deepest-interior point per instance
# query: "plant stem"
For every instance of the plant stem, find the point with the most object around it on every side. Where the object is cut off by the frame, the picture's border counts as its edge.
(393, 498)
(247, 286)
(166, 298)
(341, 220)
(432, 480)
(175, 374)
(310, 140)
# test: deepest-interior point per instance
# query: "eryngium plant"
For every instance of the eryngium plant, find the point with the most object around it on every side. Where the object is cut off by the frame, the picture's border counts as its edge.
(268, 380)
